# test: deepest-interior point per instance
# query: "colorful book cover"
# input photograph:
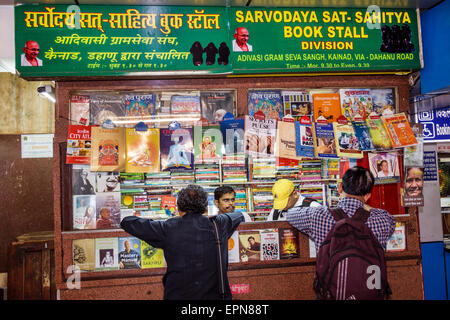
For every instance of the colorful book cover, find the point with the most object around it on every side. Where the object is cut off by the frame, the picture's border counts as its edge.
(378, 134)
(399, 130)
(347, 144)
(151, 257)
(363, 135)
(84, 212)
(107, 181)
(106, 106)
(83, 180)
(180, 105)
(140, 105)
(356, 102)
(207, 143)
(249, 245)
(324, 141)
(129, 253)
(289, 247)
(304, 139)
(106, 254)
(397, 241)
(259, 138)
(297, 104)
(383, 100)
(268, 102)
(286, 142)
(233, 135)
(169, 205)
(270, 244)
(233, 248)
(79, 110)
(108, 210)
(177, 149)
(83, 254)
(142, 150)
(108, 149)
(384, 167)
(327, 105)
(215, 104)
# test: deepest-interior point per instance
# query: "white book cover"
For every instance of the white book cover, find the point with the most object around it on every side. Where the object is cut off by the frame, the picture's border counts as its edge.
(106, 254)
(270, 245)
(233, 248)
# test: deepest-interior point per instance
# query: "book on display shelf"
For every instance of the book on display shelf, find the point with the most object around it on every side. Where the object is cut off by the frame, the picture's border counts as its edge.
(397, 241)
(347, 144)
(356, 102)
(84, 212)
(106, 254)
(260, 135)
(327, 105)
(215, 104)
(83, 254)
(324, 140)
(289, 247)
(383, 100)
(106, 107)
(140, 105)
(177, 149)
(78, 144)
(108, 149)
(249, 245)
(286, 141)
(233, 135)
(151, 257)
(129, 253)
(108, 206)
(399, 130)
(270, 244)
(207, 144)
(269, 102)
(378, 134)
(297, 104)
(107, 181)
(362, 133)
(142, 150)
(79, 110)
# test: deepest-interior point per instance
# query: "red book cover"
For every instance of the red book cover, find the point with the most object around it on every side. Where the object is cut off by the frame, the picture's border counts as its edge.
(169, 205)
(78, 144)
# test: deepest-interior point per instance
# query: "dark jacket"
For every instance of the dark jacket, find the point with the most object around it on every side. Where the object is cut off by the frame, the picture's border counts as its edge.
(190, 251)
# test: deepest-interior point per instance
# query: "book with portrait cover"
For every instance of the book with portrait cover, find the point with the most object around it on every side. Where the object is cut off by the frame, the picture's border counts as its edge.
(83, 180)
(327, 105)
(286, 141)
(347, 144)
(249, 245)
(176, 148)
(108, 149)
(356, 102)
(84, 212)
(233, 248)
(151, 257)
(270, 244)
(399, 130)
(363, 135)
(106, 254)
(140, 105)
(324, 141)
(268, 102)
(397, 241)
(106, 106)
(83, 254)
(383, 100)
(260, 135)
(142, 150)
(304, 138)
(297, 104)
(79, 110)
(207, 143)
(78, 144)
(233, 135)
(182, 105)
(129, 253)
(378, 133)
(215, 104)
(384, 167)
(289, 247)
(107, 181)
(108, 210)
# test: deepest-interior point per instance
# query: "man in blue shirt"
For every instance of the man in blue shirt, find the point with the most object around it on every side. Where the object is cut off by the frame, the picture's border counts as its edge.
(189, 246)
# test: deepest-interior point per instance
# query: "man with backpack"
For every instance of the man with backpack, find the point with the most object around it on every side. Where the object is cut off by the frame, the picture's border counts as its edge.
(285, 197)
(350, 240)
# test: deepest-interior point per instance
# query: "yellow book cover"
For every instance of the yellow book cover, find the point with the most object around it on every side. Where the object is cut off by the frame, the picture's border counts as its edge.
(399, 130)
(347, 144)
(142, 150)
(151, 257)
(327, 105)
(377, 131)
(83, 254)
(107, 149)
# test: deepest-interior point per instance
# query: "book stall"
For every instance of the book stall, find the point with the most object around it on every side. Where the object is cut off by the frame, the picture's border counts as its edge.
(140, 115)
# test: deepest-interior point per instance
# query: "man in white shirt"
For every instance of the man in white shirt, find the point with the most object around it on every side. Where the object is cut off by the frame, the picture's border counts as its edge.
(285, 197)
(384, 172)
(240, 42)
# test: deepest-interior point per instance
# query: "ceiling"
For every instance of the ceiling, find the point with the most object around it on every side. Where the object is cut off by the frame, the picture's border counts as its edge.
(422, 4)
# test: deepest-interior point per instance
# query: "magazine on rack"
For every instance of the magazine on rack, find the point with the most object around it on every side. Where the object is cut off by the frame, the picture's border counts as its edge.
(383, 100)
(268, 102)
(107, 149)
(106, 106)
(297, 104)
(215, 104)
(378, 133)
(108, 210)
(78, 144)
(327, 105)
(384, 167)
(233, 248)
(347, 144)
(176, 147)
(259, 136)
(233, 135)
(140, 105)
(324, 141)
(304, 138)
(356, 102)
(207, 144)
(79, 110)
(142, 150)
(363, 135)
(286, 142)
(399, 130)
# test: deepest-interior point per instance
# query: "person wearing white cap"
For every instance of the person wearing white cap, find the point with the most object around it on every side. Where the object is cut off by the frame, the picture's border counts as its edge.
(285, 197)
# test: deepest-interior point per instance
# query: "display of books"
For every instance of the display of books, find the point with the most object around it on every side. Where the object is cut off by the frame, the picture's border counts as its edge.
(315, 191)
(356, 102)
(287, 169)
(310, 169)
(263, 169)
(207, 172)
(262, 202)
(234, 168)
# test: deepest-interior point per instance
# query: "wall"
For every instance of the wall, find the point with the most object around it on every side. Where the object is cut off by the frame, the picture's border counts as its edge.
(26, 184)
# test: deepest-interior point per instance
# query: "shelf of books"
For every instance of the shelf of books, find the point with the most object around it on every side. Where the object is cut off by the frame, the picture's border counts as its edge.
(131, 152)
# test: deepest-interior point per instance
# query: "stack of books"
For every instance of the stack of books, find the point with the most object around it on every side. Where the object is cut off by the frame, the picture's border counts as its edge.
(207, 172)
(158, 179)
(314, 191)
(182, 177)
(262, 202)
(263, 169)
(330, 168)
(310, 169)
(287, 169)
(241, 200)
(234, 168)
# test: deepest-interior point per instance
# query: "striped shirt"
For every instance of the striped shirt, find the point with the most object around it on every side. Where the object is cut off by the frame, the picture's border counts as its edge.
(317, 221)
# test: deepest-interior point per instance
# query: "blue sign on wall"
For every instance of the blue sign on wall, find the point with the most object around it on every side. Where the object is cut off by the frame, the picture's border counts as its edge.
(436, 124)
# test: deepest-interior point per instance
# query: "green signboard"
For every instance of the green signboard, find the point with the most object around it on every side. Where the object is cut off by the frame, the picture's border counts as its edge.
(118, 40)
(325, 40)
(61, 40)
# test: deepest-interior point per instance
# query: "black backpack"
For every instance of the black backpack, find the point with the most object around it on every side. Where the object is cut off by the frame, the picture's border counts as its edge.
(350, 264)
